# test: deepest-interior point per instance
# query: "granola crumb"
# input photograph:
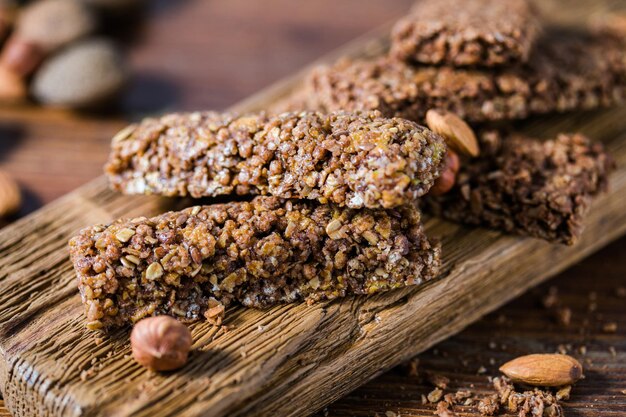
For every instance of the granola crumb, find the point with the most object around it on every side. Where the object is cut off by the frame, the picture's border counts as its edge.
(564, 393)
(435, 395)
(564, 316)
(412, 367)
(489, 406)
(610, 327)
(438, 381)
(443, 410)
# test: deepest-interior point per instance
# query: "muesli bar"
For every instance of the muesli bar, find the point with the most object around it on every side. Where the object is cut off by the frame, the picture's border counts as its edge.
(349, 159)
(529, 187)
(258, 253)
(567, 71)
(485, 33)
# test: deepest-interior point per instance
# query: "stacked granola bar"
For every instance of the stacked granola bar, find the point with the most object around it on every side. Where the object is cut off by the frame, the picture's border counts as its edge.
(336, 183)
(492, 61)
(335, 214)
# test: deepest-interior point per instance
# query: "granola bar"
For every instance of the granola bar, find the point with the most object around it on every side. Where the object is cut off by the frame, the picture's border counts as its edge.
(525, 186)
(470, 33)
(567, 71)
(355, 160)
(258, 253)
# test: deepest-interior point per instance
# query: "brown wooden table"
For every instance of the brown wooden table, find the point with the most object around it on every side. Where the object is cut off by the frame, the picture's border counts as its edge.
(207, 54)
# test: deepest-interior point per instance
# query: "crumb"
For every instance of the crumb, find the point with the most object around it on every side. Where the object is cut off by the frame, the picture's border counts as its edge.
(391, 414)
(610, 327)
(613, 351)
(481, 370)
(462, 394)
(582, 350)
(439, 381)
(411, 367)
(551, 300)
(563, 393)
(443, 410)
(564, 316)
(489, 406)
(435, 395)
(424, 400)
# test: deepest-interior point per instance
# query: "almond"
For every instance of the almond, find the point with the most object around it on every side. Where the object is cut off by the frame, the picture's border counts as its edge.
(458, 135)
(543, 370)
(10, 196)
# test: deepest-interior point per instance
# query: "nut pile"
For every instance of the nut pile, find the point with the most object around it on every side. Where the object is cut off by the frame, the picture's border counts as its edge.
(52, 52)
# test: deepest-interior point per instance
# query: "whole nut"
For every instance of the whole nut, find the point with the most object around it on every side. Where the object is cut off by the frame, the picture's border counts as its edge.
(160, 343)
(52, 24)
(10, 196)
(457, 134)
(12, 86)
(447, 179)
(20, 56)
(86, 74)
(543, 370)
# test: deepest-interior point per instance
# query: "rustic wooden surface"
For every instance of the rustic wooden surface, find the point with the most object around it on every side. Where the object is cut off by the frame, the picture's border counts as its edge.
(595, 292)
(315, 354)
(37, 146)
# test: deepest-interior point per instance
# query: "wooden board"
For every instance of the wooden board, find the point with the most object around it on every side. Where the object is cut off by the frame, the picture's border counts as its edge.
(288, 360)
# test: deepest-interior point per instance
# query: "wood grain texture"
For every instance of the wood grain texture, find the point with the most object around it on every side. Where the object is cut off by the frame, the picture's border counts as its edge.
(593, 290)
(52, 366)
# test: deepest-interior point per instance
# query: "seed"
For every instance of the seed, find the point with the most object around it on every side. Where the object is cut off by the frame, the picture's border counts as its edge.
(458, 135)
(124, 234)
(543, 370)
(154, 271)
(332, 229)
(124, 134)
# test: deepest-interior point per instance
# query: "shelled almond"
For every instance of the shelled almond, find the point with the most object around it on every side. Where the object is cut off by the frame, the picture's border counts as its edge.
(543, 370)
(458, 135)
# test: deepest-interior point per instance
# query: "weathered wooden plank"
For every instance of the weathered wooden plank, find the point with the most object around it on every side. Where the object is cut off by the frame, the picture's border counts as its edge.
(290, 359)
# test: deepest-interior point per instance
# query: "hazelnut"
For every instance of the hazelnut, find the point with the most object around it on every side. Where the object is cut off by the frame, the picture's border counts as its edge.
(160, 343)
(20, 56)
(447, 179)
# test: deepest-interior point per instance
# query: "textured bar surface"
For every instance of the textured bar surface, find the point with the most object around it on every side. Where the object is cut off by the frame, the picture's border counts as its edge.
(258, 253)
(355, 160)
(567, 71)
(470, 33)
(528, 187)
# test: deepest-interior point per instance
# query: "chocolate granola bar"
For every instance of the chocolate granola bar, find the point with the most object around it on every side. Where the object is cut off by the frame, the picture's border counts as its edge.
(567, 71)
(355, 160)
(469, 33)
(529, 187)
(258, 253)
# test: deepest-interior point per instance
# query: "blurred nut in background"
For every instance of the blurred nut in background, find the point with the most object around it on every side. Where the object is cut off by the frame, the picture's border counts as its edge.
(87, 74)
(12, 86)
(10, 195)
(52, 24)
(21, 56)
